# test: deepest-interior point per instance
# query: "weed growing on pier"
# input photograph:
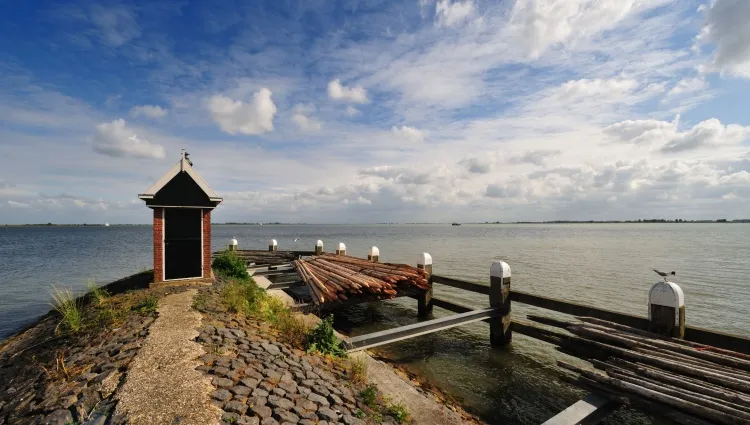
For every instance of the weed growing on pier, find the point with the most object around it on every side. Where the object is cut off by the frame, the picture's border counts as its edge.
(370, 396)
(100, 295)
(228, 264)
(68, 307)
(323, 339)
(147, 306)
(399, 412)
(357, 371)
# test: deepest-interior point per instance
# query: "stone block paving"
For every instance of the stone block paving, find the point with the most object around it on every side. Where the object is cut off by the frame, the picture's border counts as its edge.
(260, 381)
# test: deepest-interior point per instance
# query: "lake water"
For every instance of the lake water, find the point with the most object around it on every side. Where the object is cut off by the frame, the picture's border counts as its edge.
(604, 265)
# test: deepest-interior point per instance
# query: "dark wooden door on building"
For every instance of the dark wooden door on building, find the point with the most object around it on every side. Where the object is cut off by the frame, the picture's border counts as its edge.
(183, 254)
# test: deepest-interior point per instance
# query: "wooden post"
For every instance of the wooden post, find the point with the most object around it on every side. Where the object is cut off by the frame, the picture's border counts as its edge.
(319, 247)
(424, 300)
(500, 332)
(666, 309)
(233, 244)
(342, 249)
(374, 254)
(273, 245)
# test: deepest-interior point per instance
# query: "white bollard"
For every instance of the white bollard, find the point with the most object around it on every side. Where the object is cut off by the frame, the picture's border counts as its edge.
(342, 249)
(319, 247)
(374, 254)
(233, 244)
(500, 331)
(273, 245)
(666, 309)
(424, 300)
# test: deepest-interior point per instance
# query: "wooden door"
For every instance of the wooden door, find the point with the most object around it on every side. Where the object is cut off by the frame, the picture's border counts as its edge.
(183, 253)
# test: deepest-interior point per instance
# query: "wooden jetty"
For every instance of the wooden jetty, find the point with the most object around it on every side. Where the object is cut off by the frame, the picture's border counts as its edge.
(656, 361)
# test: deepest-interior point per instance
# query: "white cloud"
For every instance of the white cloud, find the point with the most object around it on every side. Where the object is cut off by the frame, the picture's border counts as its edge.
(398, 175)
(727, 27)
(688, 86)
(478, 165)
(351, 111)
(338, 91)
(234, 116)
(301, 117)
(536, 157)
(710, 133)
(117, 24)
(542, 24)
(450, 13)
(151, 111)
(15, 204)
(585, 88)
(117, 140)
(409, 134)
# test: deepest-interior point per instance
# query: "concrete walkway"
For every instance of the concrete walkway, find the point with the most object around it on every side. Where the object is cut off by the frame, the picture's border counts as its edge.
(162, 386)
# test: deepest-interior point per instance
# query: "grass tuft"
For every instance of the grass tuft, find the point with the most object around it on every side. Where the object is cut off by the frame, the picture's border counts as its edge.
(399, 412)
(147, 306)
(323, 339)
(370, 396)
(99, 295)
(69, 308)
(357, 371)
(229, 265)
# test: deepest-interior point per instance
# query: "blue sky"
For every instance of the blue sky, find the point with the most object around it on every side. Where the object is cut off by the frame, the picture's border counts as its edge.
(372, 111)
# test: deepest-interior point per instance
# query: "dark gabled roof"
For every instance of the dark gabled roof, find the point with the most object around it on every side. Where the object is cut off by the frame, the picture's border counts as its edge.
(182, 166)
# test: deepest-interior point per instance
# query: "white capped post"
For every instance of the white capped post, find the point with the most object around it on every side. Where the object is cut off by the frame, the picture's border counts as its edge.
(666, 309)
(424, 299)
(318, 247)
(500, 332)
(342, 249)
(233, 244)
(374, 254)
(273, 245)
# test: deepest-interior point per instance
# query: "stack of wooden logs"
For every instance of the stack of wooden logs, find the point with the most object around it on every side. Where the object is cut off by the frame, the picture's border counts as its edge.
(702, 381)
(339, 277)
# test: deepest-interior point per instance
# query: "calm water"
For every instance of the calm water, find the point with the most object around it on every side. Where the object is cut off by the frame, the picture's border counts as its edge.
(604, 265)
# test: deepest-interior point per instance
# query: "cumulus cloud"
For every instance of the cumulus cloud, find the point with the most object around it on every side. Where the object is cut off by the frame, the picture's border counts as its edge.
(397, 174)
(151, 111)
(351, 111)
(235, 116)
(116, 23)
(727, 27)
(409, 134)
(116, 139)
(536, 157)
(450, 13)
(478, 165)
(708, 133)
(542, 24)
(338, 91)
(301, 117)
(16, 204)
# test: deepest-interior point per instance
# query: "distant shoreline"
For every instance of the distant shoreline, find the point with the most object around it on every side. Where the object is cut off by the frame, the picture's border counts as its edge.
(655, 221)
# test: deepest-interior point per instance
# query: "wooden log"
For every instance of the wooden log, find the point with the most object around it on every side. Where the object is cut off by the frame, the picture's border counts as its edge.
(690, 396)
(732, 398)
(665, 343)
(317, 297)
(328, 293)
(671, 365)
(637, 331)
(690, 407)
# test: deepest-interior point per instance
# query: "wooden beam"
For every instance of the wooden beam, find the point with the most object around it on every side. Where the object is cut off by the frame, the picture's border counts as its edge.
(576, 309)
(375, 339)
(588, 411)
(461, 284)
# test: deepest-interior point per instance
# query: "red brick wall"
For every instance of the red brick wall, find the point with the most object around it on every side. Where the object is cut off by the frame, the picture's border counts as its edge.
(158, 245)
(207, 243)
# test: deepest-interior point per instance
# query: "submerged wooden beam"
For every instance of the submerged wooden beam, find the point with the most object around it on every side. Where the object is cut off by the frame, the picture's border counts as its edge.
(461, 284)
(588, 411)
(375, 339)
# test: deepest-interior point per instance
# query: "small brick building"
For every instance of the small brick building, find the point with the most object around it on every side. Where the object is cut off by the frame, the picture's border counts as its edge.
(182, 202)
